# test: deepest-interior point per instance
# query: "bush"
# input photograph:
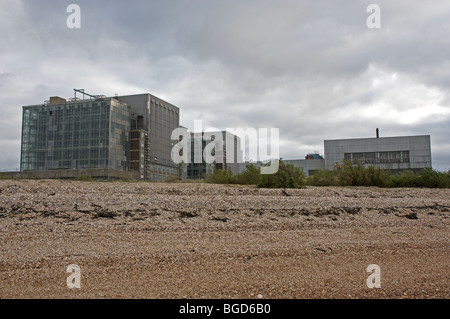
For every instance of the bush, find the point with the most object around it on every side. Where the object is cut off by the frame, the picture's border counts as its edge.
(171, 179)
(405, 179)
(432, 179)
(425, 178)
(288, 176)
(323, 178)
(251, 176)
(350, 175)
(359, 175)
(378, 177)
(220, 176)
(84, 178)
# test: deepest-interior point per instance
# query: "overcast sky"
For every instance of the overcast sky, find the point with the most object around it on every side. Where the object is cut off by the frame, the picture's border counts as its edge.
(311, 68)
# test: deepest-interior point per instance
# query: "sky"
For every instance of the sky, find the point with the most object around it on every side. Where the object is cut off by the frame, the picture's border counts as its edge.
(312, 68)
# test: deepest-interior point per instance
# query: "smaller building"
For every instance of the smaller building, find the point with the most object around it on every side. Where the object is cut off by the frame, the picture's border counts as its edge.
(309, 166)
(224, 149)
(389, 153)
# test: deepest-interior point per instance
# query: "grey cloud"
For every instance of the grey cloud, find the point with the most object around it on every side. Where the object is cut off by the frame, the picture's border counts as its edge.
(305, 67)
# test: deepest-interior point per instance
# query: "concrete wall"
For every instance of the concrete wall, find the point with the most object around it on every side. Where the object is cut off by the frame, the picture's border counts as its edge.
(72, 174)
(308, 166)
(160, 119)
(419, 148)
(227, 146)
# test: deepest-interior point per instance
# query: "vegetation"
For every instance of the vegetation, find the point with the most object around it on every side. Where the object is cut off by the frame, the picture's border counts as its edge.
(348, 174)
(358, 175)
(171, 179)
(287, 176)
(425, 178)
(84, 178)
(220, 176)
(323, 178)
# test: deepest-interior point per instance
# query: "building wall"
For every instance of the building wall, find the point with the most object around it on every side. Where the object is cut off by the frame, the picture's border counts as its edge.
(390, 153)
(75, 135)
(138, 149)
(101, 174)
(227, 154)
(160, 118)
(308, 166)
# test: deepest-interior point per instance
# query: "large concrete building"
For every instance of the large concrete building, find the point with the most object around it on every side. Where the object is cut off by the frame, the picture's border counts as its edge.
(153, 121)
(131, 136)
(110, 134)
(224, 148)
(389, 153)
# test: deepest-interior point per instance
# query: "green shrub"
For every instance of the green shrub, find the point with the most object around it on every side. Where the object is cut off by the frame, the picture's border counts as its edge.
(288, 176)
(425, 178)
(171, 179)
(84, 178)
(432, 179)
(323, 178)
(220, 176)
(378, 177)
(350, 175)
(405, 179)
(251, 176)
(358, 175)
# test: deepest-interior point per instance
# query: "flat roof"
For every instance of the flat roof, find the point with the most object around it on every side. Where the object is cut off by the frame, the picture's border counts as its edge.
(375, 138)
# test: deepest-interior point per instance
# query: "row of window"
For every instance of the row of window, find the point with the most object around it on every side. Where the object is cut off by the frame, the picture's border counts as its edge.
(378, 157)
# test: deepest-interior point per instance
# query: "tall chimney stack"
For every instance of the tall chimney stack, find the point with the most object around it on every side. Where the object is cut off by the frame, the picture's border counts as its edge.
(378, 133)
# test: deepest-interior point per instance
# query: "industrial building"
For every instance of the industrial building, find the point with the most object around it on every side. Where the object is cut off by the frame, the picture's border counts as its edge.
(131, 137)
(225, 148)
(389, 153)
(153, 121)
(111, 135)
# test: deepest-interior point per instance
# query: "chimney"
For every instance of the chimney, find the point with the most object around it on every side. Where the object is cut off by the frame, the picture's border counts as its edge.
(378, 133)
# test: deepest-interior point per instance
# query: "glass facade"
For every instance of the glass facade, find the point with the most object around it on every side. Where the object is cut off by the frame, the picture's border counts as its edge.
(76, 135)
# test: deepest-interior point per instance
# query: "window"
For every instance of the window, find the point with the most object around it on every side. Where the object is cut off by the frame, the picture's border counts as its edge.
(378, 157)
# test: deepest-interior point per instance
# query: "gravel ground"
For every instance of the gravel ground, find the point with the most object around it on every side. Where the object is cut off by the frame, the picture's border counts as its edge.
(145, 240)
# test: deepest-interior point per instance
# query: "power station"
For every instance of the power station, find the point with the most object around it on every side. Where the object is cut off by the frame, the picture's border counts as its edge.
(130, 137)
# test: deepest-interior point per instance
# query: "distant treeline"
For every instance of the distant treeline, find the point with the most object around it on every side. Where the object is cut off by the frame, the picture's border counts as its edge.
(348, 174)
